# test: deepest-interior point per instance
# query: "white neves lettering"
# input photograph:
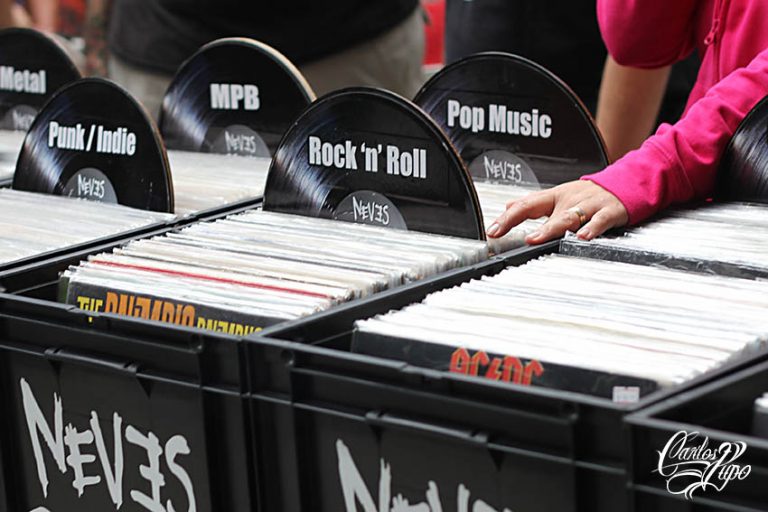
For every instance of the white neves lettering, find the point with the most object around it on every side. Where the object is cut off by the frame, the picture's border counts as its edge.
(355, 490)
(61, 439)
(150, 472)
(36, 423)
(76, 459)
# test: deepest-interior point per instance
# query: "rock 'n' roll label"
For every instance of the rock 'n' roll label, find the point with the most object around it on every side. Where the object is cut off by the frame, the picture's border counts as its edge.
(23, 80)
(94, 138)
(345, 155)
(235, 97)
(496, 118)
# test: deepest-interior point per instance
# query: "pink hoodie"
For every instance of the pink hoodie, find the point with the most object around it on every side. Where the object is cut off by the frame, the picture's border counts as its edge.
(679, 162)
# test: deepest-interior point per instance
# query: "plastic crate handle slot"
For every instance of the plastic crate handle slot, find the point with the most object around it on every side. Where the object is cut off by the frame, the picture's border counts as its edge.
(382, 419)
(62, 355)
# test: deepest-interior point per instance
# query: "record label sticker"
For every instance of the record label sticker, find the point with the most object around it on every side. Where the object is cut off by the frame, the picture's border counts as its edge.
(499, 166)
(369, 207)
(369, 156)
(93, 140)
(235, 96)
(513, 121)
(32, 67)
(92, 184)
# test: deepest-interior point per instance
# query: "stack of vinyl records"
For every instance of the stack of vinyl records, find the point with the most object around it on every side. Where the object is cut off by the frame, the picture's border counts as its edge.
(203, 181)
(10, 145)
(32, 224)
(731, 238)
(583, 325)
(493, 201)
(259, 268)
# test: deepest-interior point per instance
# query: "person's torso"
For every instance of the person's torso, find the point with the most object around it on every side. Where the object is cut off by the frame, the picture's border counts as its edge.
(160, 34)
(729, 34)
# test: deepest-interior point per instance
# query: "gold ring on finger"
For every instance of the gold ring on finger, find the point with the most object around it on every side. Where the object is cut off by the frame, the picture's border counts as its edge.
(580, 214)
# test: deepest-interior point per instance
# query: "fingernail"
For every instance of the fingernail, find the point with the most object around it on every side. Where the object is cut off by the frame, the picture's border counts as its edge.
(493, 229)
(584, 234)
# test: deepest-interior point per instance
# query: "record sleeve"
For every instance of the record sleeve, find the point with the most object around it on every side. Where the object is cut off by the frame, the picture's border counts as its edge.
(166, 309)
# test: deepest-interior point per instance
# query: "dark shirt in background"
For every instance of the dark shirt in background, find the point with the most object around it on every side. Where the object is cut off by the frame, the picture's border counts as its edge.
(160, 34)
(561, 35)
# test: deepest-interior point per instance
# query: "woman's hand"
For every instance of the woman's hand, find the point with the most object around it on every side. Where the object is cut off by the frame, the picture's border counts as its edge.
(578, 205)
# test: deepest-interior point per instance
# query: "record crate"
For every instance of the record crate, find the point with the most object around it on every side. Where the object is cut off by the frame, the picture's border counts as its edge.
(720, 412)
(177, 381)
(103, 413)
(346, 428)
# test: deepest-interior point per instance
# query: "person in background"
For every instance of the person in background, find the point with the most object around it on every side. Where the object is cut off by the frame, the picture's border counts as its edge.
(564, 37)
(548, 32)
(679, 162)
(71, 16)
(38, 14)
(335, 43)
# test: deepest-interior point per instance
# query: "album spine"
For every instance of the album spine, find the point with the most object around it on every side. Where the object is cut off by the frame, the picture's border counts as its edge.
(504, 367)
(103, 299)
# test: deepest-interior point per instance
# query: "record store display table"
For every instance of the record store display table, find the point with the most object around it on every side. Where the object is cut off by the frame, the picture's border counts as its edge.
(316, 321)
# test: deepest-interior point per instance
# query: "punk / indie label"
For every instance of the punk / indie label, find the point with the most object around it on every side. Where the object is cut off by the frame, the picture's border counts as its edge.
(92, 138)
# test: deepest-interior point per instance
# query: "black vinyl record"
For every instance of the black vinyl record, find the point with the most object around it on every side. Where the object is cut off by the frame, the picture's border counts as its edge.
(370, 156)
(32, 67)
(94, 141)
(743, 172)
(234, 96)
(513, 121)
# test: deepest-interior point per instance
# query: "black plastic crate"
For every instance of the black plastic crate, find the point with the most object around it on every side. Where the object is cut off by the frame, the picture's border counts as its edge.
(515, 447)
(181, 386)
(116, 353)
(721, 411)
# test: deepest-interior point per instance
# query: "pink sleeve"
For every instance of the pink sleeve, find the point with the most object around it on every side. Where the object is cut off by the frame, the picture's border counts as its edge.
(679, 162)
(647, 33)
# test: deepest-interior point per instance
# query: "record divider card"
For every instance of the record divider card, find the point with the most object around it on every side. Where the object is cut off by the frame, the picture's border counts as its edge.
(743, 171)
(93, 141)
(370, 156)
(513, 122)
(234, 96)
(32, 67)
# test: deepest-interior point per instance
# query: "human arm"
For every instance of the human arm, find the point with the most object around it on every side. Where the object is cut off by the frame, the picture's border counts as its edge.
(95, 35)
(628, 105)
(675, 165)
(43, 14)
(6, 18)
